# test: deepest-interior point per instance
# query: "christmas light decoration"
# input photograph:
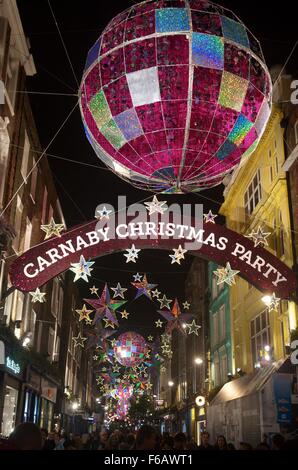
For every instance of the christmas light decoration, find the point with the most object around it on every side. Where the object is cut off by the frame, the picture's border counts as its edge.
(193, 328)
(118, 291)
(158, 324)
(178, 255)
(259, 237)
(124, 314)
(143, 288)
(164, 302)
(79, 340)
(82, 269)
(104, 213)
(84, 313)
(105, 307)
(175, 318)
(38, 296)
(226, 275)
(156, 206)
(173, 97)
(186, 305)
(132, 254)
(52, 229)
(209, 218)
(130, 349)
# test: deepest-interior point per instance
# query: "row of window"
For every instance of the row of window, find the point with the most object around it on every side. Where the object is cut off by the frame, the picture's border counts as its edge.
(219, 326)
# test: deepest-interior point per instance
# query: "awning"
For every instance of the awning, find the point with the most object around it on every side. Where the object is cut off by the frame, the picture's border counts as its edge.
(246, 385)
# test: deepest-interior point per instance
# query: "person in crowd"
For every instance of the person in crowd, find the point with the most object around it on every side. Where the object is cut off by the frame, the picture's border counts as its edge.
(68, 444)
(262, 446)
(191, 444)
(146, 438)
(113, 441)
(103, 440)
(180, 441)
(44, 436)
(277, 442)
(167, 442)
(131, 440)
(205, 436)
(230, 446)
(50, 442)
(26, 436)
(245, 446)
(221, 443)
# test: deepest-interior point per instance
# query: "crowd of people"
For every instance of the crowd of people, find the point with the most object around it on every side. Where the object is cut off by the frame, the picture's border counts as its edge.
(27, 436)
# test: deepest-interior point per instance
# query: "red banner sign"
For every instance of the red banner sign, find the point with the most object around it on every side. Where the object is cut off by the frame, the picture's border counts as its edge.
(214, 242)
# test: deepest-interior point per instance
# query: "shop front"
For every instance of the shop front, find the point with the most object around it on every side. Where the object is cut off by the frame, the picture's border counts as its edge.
(11, 390)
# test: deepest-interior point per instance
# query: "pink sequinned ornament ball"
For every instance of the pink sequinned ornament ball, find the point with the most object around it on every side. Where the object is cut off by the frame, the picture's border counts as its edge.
(130, 349)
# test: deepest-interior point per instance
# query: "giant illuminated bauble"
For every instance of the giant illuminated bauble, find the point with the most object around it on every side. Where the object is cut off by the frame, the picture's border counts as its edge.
(130, 349)
(174, 94)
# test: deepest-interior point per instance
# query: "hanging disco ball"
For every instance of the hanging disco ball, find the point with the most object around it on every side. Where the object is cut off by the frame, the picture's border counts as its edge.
(130, 349)
(174, 94)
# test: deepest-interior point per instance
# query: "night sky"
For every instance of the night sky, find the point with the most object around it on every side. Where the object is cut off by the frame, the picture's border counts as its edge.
(80, 187)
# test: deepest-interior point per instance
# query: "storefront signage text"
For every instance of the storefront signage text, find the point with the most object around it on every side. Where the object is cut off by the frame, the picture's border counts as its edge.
(10, 364)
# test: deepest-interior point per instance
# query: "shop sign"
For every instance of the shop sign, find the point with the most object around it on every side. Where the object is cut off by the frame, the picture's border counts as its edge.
(12, 365)
(34, 380)
(200, 401)
(282, 384)
(48, 390)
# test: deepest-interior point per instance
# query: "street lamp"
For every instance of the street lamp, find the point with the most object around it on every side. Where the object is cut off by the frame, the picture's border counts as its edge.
(170, 383)
(198, 360)
(267, 299)
(75, 405)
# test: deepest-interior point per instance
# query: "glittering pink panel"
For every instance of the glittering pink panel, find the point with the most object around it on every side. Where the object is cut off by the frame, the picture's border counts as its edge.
(224, 120)
(128, 153)
(112, 38)
(202, 115)
(140, 55)
(102, 141)
(257, 75)
(150, 117)
(92, 83)
(173, 82)
(141, 146)
(174, 113)
(203, 22)
(196, 139)
(236, 61)
(213, 143)
(252, 103)
(206, 84)
(143, 167)
(203, 5)
(175, 138)
(173, 50)
(118, 96)
(112, 66)
(234, 157)
(157, 140)
(117, 20)
(139, 26)
(249, 139)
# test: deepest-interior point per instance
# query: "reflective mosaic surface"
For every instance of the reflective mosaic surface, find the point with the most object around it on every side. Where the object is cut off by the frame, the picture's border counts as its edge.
(174, 93)
(130, 349)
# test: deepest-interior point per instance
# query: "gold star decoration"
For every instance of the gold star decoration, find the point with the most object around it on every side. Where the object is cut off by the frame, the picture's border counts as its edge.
(84, 314)
(156, 206)
(124, 314)
(226, 275)
(95, 357)
(259, 237)
(99, 381)
(116, 368)
(178, 255)
(164, 302)
(150, 338)
(79, 340)
(94, 290)
(274, 302)
(193, 328)
(158, 324)
(52, 229)
(113, 343)
(38, 296)
(108, 323)
(186, 305)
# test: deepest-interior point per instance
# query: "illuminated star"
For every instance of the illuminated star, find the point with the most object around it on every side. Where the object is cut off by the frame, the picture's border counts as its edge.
(274, 302)
(137, 277)
(226, 275)
(88, 321)
(105, 306)
(178, 255)
(209, 218)
(52, 229)
(104, 213)
(38, 296)
(156, 206)
(118, 291)
(149, 386)
(155, 293)
(124, 314)
(99, 381)
(79, 340)
(163, 369)
(175, 318)
(142, 369)
(143, 288)
(109, 323)
(116, 368)
(82, 269)
(186, 305)
(113, 343)
(95, 357)
(193, 328)
(84, 313)
(259, 237)
(132, 254)
(150, 338)
(94, 290)
(164, 302)
(158, 324)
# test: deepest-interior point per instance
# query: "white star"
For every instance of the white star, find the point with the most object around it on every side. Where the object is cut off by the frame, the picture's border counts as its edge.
(164, 302)
(210, 217)
(193, 328)
(104, 213)
(118, 291)
(186, 305)
(155, 293)
(137, 277)
(158, 324)
(259, 237)
(93, 290)
(82, 269)
(52, 229)
(132, 254)
(38, 296)
(156, 206)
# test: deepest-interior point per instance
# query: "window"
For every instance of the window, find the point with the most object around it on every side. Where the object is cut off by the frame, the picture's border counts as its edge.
(216, 288)
(281, 236)
(276, 164)
(12, 79)
(215, 328)
(216, 371)
(57, 349)
(260, 335)
(271, 174)
(253, 194)
(28, 233)
(60, 308)
(18, 224)
(224, 368)
(34, 176)
(222, 322)
(51, 342)
(25, 158)
(9, 410)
